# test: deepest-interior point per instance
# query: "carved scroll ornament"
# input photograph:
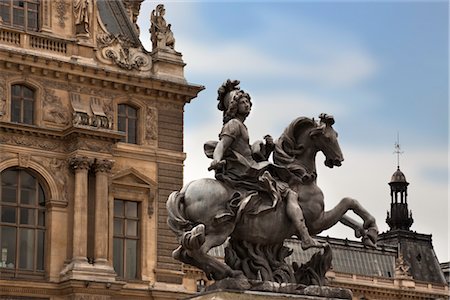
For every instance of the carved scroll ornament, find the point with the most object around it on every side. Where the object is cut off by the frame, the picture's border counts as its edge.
(119, 50)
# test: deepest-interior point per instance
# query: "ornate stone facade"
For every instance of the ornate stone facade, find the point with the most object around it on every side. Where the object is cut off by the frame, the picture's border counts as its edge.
(75, 146)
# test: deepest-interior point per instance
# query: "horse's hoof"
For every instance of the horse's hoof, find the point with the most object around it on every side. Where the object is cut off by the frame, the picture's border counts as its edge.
(368, 242)
(372, 234)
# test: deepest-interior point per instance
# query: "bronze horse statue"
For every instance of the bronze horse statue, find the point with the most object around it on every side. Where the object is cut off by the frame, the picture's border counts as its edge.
(204, 214)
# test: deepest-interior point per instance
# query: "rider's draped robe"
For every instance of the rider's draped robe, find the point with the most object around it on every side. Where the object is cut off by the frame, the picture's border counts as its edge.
(259, 185)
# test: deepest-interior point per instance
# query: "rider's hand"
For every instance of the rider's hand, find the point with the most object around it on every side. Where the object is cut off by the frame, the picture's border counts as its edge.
(270, 146)
(216, 165)
(269, 139)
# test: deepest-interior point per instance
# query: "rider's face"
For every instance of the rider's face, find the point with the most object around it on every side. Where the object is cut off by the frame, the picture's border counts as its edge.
(244, 106)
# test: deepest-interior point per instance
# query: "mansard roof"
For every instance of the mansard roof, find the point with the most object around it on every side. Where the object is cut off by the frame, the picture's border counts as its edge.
(114, 17)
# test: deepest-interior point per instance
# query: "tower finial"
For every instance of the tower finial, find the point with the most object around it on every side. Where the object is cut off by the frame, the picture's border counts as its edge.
(398, 150)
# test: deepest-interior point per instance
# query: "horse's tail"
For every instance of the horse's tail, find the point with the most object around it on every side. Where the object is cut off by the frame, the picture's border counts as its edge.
(176, 220)
(190, 235)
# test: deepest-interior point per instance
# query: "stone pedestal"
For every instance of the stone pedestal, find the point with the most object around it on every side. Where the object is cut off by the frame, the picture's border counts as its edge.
(254, 295)
(243, 289)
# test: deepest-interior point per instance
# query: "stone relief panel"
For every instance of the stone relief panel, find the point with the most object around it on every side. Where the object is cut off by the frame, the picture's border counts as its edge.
(60, 170)
(108, 108)
(151, 125)
(32, 142)
(54, 110)
(2, 98)
(89, 145)
(61, 11)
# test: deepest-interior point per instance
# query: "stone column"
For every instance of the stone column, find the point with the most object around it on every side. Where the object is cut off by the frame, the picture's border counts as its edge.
(102, 169)
(81, 167)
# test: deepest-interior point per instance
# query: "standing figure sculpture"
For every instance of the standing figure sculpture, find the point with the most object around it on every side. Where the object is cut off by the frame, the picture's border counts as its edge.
(161, 34)
(82, 11)
(258, 204)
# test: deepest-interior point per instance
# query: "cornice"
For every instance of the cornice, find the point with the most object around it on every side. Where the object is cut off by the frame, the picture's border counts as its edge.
(72, 70)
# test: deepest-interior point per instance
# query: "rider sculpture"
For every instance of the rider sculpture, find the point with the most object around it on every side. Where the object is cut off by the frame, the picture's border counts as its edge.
(256, 204)
(235, 162)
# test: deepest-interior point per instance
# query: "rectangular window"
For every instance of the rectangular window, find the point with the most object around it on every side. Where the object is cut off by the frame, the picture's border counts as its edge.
(20, 14)
(126, 239)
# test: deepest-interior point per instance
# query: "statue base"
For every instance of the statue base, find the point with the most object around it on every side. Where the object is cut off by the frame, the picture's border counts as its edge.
(242, 289)
(327, 294)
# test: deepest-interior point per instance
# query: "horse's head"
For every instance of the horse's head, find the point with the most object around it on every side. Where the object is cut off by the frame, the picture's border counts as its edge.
(325, 139)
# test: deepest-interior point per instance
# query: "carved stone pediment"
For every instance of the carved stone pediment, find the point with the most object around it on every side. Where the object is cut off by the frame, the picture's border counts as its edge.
(116, 49)
(133, 177)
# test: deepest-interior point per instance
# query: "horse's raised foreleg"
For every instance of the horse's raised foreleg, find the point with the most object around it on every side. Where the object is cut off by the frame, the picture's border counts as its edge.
(368, 230)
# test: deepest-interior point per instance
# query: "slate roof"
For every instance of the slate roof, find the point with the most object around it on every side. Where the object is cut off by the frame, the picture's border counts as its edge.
(350, 257)
(115, 19)
(417, 250)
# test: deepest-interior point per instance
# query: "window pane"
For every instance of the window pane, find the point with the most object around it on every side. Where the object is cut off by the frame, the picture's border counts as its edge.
(118, 256)
(8, 214)
(27, 216)
(41, 197)
(16, 90)
(40, 249)
(122, 110)
(28, 196)
(18, 18)
(26, 248)
(121, 124)
(9, 194)
(16, 110)
(118, 208)
(118, 227)
(131, 259)
(131, 209)
(132, 112)
(132, 228)
(41, 217)
(131, 131)
(27, 92)
(28, 112)
(5, 11)
(8, 247)
(27, 180)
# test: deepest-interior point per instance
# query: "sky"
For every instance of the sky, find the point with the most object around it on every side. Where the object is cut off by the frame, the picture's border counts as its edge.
(380, 67)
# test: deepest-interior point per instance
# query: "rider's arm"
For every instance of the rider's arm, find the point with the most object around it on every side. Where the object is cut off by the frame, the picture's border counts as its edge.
(221, 147)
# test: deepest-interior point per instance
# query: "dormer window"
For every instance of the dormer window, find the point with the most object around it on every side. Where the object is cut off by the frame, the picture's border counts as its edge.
(20, 14)
(22, 104)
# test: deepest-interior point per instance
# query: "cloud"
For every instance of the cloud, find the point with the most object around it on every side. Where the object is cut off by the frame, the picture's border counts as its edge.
(346, 68)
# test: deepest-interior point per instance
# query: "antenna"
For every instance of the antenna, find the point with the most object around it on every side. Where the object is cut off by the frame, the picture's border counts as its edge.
(398, 150)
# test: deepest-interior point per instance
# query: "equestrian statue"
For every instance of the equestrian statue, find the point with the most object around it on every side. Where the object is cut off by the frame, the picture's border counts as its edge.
(254, 205)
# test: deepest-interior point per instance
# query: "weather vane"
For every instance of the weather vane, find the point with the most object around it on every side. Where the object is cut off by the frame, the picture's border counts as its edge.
(398, 150)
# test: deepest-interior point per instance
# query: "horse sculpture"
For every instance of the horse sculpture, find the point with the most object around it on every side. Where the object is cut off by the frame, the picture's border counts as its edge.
(206, 212)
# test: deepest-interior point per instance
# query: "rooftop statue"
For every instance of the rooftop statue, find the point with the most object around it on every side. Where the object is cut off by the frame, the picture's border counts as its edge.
(161, 34)
(258, 204)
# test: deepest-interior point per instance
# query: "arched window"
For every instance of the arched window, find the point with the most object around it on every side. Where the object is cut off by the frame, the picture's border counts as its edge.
(20, 14)
(22, 104)
(127, 121)
(22, 224)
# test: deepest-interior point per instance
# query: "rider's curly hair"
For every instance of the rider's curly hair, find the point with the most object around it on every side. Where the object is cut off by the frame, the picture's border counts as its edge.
(229, 95)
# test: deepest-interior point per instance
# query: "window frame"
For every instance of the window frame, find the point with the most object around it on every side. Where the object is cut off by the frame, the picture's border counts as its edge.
(124, 237)
(127, 117)
(27, 9)
(22, 100)
(39, 228)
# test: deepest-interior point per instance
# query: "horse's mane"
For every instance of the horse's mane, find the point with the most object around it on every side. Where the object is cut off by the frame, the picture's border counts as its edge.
(287, 146)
